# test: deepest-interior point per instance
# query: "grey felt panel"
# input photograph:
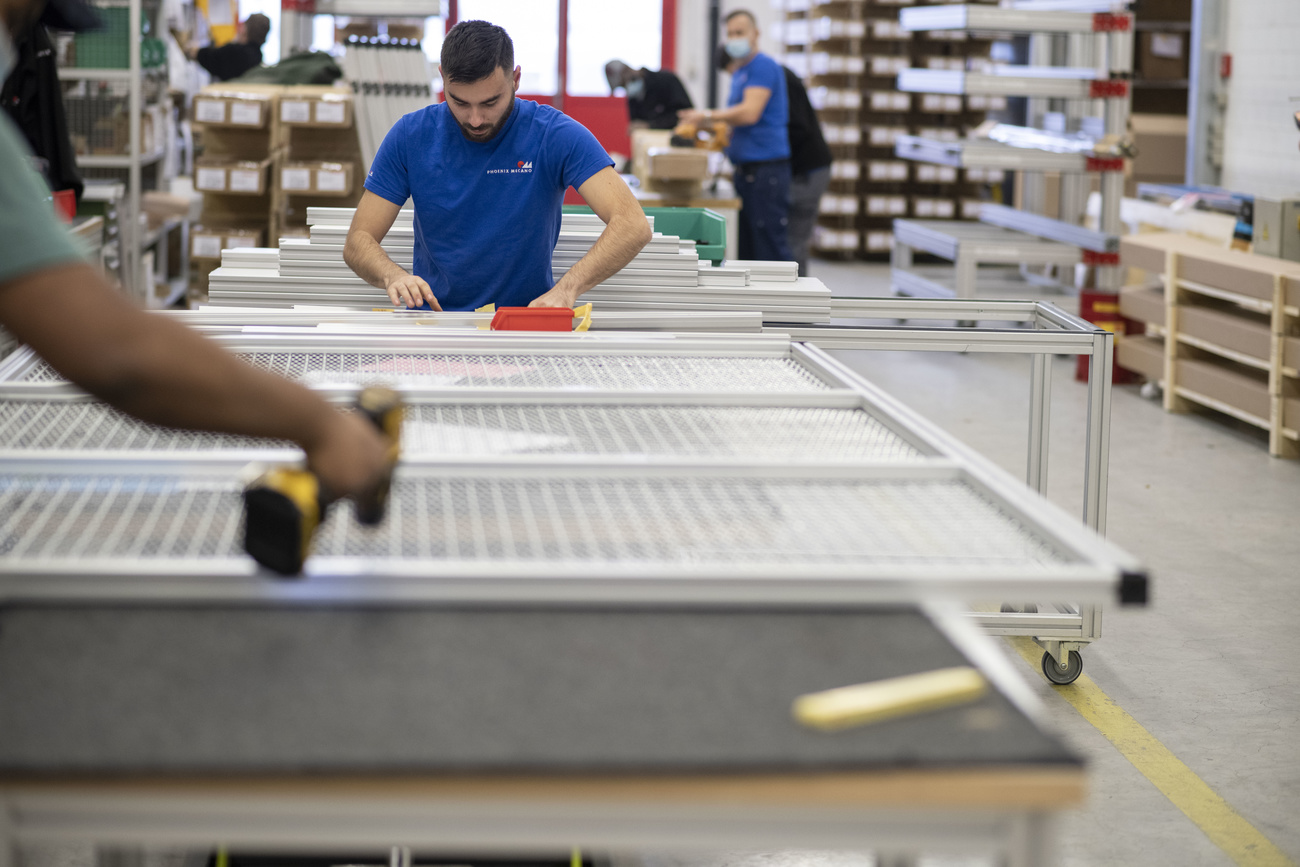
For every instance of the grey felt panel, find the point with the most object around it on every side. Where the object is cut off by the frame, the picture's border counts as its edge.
(172, 690)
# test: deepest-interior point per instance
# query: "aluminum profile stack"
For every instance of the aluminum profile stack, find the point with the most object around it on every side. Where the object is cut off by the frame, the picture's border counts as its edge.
(667, 275)
(389, 79)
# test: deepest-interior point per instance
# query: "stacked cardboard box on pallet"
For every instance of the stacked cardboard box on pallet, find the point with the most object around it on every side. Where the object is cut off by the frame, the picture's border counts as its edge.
(269, 152)
(240, 139)
(1222, 331)
(320, 162)
(849, 53)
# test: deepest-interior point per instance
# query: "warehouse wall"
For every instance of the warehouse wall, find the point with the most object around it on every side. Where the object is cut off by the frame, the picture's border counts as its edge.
(1261, 147)
(692, 42)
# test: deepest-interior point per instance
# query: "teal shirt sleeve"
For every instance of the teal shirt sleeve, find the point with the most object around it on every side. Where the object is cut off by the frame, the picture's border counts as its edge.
(31, 237)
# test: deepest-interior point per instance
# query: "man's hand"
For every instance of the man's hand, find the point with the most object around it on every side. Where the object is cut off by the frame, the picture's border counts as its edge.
(691, 115)
(348, 454)
(407, 290)
(557, 297)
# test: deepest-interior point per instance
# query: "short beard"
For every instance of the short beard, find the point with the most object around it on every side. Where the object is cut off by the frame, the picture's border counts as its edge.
(496, 128)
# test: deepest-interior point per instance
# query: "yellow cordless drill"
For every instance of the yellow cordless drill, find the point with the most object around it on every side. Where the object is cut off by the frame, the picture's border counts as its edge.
(284, 506)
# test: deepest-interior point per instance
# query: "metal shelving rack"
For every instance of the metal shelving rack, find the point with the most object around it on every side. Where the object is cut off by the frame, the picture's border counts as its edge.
(1094, 50)
(134, 239)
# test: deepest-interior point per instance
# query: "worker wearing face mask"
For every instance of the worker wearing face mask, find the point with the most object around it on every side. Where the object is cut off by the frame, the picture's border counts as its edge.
(653, 98)
(757, 111)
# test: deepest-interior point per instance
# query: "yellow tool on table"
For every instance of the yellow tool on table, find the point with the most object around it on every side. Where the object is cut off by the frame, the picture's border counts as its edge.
(284, 506)
(864, 703)
(712, 135)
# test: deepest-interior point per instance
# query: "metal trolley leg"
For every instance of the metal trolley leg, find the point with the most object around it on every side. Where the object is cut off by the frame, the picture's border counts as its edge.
(1040, 410)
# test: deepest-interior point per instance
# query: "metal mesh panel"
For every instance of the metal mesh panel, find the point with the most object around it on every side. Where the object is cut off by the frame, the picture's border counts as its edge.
(758, 433)
(607, 372)
(767, 433)
(666, 520)
(95, 427)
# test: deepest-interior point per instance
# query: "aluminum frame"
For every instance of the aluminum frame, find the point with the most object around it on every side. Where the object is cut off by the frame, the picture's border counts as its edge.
(1053, 332)
(1100, 569)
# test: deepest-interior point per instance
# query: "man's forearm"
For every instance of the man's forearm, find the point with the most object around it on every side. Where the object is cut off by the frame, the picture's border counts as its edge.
(368, 260)
(623, 238)
(151, 367)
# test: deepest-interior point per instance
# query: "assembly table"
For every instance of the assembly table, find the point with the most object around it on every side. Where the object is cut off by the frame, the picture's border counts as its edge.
(507, 729)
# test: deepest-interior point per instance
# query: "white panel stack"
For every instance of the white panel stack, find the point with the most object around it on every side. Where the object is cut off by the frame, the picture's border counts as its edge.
(667, 275)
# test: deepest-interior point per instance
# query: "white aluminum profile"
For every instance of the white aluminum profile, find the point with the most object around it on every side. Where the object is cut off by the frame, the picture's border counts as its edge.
(1046, 227)
(1045, 81)
(985, 154)
(994, 18)
(986, 244)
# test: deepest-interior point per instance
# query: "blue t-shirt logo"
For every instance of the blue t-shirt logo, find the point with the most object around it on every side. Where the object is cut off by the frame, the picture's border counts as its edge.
(479, 239)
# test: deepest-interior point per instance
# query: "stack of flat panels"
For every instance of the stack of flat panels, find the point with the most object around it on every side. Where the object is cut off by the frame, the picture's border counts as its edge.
(803, 300)
(666, 275)
(766, 272)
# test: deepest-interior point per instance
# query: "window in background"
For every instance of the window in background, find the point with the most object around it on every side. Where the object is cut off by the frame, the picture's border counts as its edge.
(598, 34)
(322, 34)
(532, 25)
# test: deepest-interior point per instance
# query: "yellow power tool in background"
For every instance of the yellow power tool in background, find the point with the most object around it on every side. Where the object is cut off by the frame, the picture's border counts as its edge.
(284, 506)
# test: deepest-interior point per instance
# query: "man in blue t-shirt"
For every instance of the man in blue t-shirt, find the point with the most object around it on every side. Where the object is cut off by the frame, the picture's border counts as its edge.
(487, 173)
(758, 111)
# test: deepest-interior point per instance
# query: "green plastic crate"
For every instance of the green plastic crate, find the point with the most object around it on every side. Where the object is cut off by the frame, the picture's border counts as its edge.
(707, 228)
(108, 48)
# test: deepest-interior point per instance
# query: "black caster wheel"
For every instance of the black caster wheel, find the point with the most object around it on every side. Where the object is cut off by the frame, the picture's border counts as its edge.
(1062, 676)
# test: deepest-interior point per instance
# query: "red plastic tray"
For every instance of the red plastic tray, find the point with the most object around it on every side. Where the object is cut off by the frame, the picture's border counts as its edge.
(533, 319)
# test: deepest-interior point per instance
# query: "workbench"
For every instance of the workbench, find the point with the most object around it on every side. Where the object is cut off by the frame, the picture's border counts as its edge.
(507, 729)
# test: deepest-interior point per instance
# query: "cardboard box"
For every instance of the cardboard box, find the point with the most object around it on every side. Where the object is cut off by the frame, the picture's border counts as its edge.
(328, 110)
(238, 177)
(886, 206)
(207, 242)
(677, 164)
(1162, 56)
(1144, 355)
(932, 174)
(316, 178)
(1229, 385)
(1277, 228)
(228, 108)
(1143, 303)
(1202, 262)
(887, 170)
(1161, 144)
(936, 209)
(1163, 10)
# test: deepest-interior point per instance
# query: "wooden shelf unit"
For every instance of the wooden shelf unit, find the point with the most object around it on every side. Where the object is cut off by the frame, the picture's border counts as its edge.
(1222, 331)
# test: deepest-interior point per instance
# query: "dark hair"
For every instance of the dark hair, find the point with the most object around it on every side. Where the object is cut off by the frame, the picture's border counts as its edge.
(473, 49)
(733, 13)
(257, 26)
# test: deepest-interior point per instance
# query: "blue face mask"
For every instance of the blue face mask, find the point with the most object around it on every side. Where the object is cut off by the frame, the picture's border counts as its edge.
(738, 48)
(635, 88)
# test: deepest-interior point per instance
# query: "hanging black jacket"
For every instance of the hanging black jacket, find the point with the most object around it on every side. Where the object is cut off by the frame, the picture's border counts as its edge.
(33, 98)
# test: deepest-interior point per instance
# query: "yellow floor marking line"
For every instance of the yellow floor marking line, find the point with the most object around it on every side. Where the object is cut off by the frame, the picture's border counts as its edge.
(1226, 828)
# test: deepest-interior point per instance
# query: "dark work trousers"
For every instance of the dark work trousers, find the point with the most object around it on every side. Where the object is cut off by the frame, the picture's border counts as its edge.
(764, 190)
(805, 203)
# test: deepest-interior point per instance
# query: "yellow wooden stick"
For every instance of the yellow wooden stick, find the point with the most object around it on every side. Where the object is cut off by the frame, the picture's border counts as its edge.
(849, 706)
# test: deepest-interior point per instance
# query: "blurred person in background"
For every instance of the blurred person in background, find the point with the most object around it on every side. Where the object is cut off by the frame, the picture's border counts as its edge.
(234, 58)
(653, 98)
